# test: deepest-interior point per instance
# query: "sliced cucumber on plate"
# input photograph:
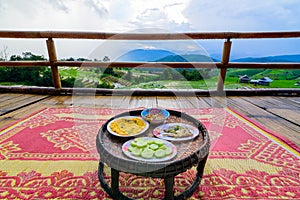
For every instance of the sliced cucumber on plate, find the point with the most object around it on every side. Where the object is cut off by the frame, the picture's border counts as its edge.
(148, 149)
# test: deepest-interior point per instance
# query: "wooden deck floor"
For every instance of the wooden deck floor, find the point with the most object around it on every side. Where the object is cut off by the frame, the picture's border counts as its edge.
(279, 114)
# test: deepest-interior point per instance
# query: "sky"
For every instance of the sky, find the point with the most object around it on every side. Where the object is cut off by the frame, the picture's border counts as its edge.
(123, 16)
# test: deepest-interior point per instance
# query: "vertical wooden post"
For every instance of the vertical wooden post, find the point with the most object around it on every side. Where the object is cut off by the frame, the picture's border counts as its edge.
(225, 60)
(53, 59)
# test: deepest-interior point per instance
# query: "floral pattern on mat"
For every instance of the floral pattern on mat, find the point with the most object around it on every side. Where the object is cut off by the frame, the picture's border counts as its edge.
(51, 154)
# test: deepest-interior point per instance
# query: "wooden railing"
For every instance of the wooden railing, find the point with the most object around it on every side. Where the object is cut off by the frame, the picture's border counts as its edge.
(223, 65)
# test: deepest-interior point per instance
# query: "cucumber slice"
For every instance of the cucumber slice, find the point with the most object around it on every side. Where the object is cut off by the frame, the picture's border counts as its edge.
(159, 142)
(136, 152)
(141, 143)
(150, 142)
(153, 146)
(163, 147)
(147, 149)
(131, 147)
(138, 139)
(133, 143)
(160, 153)
(147, 153)
(168, 151)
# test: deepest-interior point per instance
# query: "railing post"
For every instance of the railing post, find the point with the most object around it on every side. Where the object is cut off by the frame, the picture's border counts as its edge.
(225, 60)
(53, 59)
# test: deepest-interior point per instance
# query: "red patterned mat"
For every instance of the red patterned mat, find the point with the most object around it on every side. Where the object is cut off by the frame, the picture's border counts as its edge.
(51, 155)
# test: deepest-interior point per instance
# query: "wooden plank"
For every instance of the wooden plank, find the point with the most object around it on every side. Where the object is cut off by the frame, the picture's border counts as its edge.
(291, 115)
(140, 102)
(279, 107)
(216, 101)
(295, 100)
(292, 101)
(181, 102)
(29, 109)
(221, 80)
(120, 102)
(243, 105)
(265, 118)
(84, 101)
(225, 60)
(237, 65)
(167, 102)
(203, 103)
(266, 102)
(198, 65)
(19, 102)
(24, 63)
(53, 58)
(89, 64)
(58, 101)
(197, 102)
(146, 36)
(5, 97)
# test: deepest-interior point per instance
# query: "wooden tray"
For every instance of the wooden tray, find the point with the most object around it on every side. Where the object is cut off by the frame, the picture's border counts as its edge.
(189, 152)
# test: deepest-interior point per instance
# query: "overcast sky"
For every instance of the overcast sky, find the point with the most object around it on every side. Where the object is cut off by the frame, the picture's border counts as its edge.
(150, 15)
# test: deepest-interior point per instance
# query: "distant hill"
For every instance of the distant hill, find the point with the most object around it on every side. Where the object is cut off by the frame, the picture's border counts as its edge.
(281, 58)
(160, 55)
(145, 55)
(187, 58)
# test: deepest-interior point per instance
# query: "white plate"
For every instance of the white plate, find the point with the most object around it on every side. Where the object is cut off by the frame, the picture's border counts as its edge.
(126, 145)
(160, 133)
(127, 117)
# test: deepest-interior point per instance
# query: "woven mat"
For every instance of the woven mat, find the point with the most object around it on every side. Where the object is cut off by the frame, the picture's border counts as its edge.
(51, 155)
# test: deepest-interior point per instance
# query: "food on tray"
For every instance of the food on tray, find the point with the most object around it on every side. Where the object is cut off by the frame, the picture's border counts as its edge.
(155, 115)
(127, 126)
(148, 149)
(177, 131)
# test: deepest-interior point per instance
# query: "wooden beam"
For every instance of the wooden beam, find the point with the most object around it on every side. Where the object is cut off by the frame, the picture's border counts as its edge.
(148, 92)
(263, 65)
(211, 65)
(225, 60)
(24, 63)
(208, 65)
(53, 59)
(147, 36)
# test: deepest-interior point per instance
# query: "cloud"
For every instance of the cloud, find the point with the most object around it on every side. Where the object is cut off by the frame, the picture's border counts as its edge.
(161, 18)
(174, 12)
(60, 5)
(145, 16)
(255, 15)
(152, 17)
(97, 6)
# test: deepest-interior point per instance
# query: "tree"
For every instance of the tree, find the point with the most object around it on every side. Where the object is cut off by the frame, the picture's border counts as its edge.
(40, 76)
(30, 56)
(4, 53)
(70, 59)
(106, 59)
(108, 70)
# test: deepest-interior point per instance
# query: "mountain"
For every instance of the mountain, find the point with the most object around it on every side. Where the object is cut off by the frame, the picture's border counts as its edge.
(145, 55)
(160, 55)
(187, 58)
(281, 58)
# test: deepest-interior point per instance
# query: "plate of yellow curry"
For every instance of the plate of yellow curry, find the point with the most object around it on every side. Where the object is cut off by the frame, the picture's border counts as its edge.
(127, 126)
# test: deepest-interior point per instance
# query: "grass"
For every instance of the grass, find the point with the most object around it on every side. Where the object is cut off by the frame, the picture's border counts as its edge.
(210, 84)
(280, 79)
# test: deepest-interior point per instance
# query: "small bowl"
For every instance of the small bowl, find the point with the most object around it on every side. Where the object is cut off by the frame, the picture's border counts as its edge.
(155, 115)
